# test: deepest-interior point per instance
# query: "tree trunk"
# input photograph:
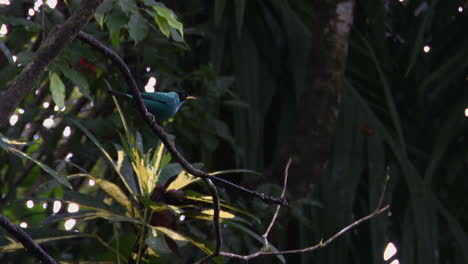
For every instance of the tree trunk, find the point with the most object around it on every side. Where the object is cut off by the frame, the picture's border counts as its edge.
(310, 144)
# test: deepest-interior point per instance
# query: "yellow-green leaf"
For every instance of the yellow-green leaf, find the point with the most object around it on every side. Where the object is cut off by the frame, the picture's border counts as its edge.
(57, 88)
(222, 214)
(119, 196)
(183, 179)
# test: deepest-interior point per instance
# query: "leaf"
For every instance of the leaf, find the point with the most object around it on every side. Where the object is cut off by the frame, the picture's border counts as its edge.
(128, 6)
(157, 243)
(240, 12)
(39, 235)
(218, 11)
(91, 202)
(222, 214)
(24, 57)
(57, 89)
(104, 152)
(104, 8)
(176, 35)
(6, 52)
(165, 18)
(23, 155)
(208, 199)
(14, 141)
(183, 179)
(426, 23)
(170, 233)
(222, 130)
(119, 196)
(116, 193)
(77, 79)
(163, 25)
(137, 27)
(84, 215)
(115, 21)
(234, 171)
(139, 142)
(15, 21)
(169, 171)
(125, 168)
(184, 238)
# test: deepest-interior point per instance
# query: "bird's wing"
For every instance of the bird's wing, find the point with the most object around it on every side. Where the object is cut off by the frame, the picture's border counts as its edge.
(158, 97)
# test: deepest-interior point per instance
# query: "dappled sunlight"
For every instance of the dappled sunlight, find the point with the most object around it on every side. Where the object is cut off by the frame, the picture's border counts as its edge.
(69, 224)
(57, 206)
(66, 131)
(29, 204)
(48, 122)
(56, 109)
(389, 251)
(23, 224)
(51, 3)
(149, 87)
(427, 48)
(13, 119)
(73, 208)
(3, 30)
(69, 156)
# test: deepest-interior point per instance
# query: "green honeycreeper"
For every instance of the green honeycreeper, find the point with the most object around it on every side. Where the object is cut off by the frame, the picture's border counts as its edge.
(162, 105)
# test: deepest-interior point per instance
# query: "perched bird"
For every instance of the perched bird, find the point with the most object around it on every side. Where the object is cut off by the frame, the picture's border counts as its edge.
(162, 105)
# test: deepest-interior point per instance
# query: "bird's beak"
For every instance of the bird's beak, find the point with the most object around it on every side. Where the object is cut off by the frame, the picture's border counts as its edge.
(190, 98)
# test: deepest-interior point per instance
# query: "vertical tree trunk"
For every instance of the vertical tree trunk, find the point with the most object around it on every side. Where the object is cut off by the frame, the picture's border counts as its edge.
(310, 144)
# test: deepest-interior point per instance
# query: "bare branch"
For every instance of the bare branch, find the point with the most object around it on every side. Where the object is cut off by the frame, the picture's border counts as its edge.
(56, 41)
(275, 215)
(153, 124)
(319, 245)
(19, 234)
(384, 189)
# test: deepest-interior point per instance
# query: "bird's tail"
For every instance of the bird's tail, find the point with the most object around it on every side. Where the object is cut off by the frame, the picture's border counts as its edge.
(117, 93)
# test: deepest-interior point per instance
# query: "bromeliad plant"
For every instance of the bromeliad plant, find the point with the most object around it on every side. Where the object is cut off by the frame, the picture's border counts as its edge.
(153, 198)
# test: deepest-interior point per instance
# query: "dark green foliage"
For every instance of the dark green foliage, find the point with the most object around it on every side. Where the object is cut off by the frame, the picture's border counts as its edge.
(401, 117)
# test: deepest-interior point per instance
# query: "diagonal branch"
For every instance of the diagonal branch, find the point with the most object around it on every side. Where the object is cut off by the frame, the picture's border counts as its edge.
(264, 252)
(153, 124)
(56, 41)
(19, 234)
(319, 245)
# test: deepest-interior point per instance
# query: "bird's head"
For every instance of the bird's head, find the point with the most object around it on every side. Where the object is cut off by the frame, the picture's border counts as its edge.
(183, 96)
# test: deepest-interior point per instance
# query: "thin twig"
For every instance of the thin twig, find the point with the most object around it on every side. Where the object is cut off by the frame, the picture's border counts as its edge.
(153, 124)
(216, 222)
(278, 207)
(319, 245)
(19, 234)
(384, 189)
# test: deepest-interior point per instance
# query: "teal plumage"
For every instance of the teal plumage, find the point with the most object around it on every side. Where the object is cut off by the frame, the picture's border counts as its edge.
(162, 105)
